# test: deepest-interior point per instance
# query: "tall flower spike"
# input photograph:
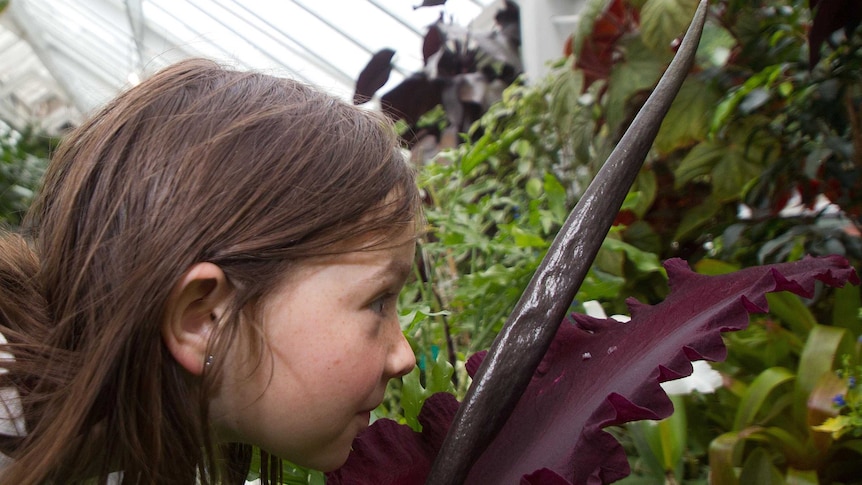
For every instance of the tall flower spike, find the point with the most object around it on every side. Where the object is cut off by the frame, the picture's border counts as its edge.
(527, 334)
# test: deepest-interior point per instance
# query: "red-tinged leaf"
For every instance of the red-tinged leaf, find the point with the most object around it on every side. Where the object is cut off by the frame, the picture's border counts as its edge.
(388, 453)
(373, 76)
(596, 56)
(597, 373)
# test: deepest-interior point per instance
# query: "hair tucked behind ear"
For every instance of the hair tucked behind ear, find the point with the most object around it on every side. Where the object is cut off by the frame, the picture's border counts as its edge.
(196, 164)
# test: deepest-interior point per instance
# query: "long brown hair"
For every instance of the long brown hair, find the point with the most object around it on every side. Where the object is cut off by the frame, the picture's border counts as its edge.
(198, 163)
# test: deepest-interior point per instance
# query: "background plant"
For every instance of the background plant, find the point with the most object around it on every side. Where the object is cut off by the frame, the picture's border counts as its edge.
(757, 138)
(23, 158)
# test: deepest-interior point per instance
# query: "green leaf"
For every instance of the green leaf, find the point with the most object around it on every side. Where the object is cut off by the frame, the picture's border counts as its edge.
(640, 71)
(646, 185)
(696, 217)
(734, 170)
(845, 310)
(662, 21)
(801, 477)
(723, 452)
(412, 397)
(556, 194)
(755, 400)
(641, 433)
(792, 311)
(661, 444)
(438, 378)
(534, 188)
(822, 351)
(715, 46)
(758, 468)
(699, 162)
(712, 267)
(786, 443)
(687, 121)
(644, 261)
(524, 239)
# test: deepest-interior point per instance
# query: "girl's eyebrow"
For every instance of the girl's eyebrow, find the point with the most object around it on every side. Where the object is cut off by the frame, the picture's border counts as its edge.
(395, 267)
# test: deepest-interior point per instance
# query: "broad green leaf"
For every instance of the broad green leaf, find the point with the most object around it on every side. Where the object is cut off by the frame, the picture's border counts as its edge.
(644, 261)
(661, 443)
(699, 162)
(715, 46)
(801, 477)
(556, 195)
(638, 72)
(756, 399)
(789, 446)
(727, 107)
(647, 186)
(790, 309)
(822, 351)
(534, 188)
(852, 445)
(524, 239)
(845, 310)
(696, 217)
(687, 121)
(712, 267)
(649, 455)
(735, 169)
(723, 452)
(672, 434)
(662, 21)
(572, 111)
(758, 468)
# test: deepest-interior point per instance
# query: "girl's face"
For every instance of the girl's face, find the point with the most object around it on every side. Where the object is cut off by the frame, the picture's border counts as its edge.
(335, 341)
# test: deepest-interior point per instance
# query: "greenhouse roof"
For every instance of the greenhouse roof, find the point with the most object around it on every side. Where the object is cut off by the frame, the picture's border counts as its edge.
(61, 58)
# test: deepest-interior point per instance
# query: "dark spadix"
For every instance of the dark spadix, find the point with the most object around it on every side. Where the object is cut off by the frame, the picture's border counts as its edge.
(523, 341)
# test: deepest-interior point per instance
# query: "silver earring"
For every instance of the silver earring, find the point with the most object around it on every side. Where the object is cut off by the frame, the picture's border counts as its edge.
(209, 361)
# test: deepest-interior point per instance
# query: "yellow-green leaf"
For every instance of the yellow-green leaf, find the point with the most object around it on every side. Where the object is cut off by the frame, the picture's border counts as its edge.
(662, 21)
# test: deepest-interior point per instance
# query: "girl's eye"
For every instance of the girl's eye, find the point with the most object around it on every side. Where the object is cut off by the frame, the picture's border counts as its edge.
(381, 304)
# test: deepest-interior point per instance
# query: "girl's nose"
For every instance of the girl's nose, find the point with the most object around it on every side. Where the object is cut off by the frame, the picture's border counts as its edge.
(401, 357)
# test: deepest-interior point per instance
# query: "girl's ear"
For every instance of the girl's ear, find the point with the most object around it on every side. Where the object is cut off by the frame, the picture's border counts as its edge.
(195, 303)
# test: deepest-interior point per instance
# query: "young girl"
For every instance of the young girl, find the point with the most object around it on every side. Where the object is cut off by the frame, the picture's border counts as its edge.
(212, 263)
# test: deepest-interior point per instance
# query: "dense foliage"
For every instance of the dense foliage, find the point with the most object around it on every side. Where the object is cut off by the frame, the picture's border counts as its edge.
(23, 157)
(757, 137)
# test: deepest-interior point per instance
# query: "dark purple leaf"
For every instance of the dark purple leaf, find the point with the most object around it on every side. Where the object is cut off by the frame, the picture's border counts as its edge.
(829, 16)
(544, 477)
(430, 3)
(412, 98)
(373, 76)
(432, 42)
(599, 373)
(388, 453)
